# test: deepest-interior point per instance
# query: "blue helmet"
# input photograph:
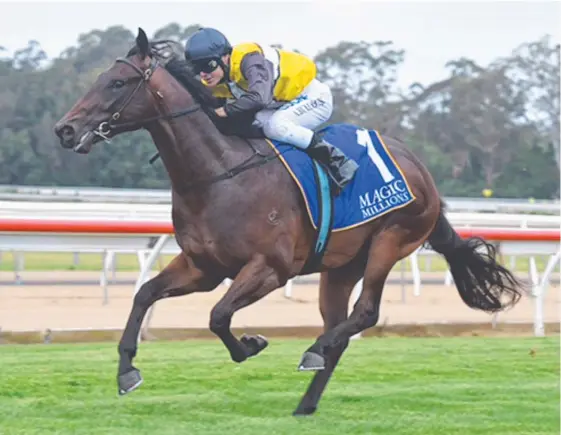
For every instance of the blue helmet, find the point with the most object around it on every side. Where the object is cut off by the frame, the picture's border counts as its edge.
(205, 44)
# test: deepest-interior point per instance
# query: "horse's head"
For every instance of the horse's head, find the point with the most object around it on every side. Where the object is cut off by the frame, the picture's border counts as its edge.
(123, 98)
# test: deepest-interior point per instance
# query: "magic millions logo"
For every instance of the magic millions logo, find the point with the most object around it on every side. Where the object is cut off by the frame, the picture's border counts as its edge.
(388, 196)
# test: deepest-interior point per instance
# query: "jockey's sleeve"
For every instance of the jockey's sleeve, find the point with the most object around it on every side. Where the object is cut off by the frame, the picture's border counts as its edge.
(258, 72)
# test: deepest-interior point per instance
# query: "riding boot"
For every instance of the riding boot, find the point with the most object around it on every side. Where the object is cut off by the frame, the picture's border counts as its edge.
(340, 167)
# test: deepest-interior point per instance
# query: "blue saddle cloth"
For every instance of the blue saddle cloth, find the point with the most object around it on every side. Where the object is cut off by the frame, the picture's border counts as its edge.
(377, 188)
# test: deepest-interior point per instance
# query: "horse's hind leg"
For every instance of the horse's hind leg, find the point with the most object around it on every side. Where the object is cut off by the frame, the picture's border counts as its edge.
(387, 248)
(180, 277)
(336, 287)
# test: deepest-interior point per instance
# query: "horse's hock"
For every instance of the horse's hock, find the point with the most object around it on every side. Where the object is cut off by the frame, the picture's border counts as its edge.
(438, 310)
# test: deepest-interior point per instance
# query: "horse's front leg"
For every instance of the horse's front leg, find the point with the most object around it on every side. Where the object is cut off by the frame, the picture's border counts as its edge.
(179, 278)
(255, 280)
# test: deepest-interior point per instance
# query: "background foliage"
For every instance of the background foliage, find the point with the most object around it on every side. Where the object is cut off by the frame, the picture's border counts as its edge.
(484, 126)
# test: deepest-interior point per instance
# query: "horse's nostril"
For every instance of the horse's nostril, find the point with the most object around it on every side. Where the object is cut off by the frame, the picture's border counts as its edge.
(65, 131)
(66, 134)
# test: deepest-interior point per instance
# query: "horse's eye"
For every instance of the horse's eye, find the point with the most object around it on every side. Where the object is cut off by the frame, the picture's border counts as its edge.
(117, 84)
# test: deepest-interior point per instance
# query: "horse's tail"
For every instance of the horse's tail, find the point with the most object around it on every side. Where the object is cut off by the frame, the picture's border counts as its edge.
(481, 281)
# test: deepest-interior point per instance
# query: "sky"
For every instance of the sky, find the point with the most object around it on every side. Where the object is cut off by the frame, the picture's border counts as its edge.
(431, 33)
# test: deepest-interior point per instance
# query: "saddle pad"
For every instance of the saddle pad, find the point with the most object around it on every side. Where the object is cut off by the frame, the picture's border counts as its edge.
(377, 188)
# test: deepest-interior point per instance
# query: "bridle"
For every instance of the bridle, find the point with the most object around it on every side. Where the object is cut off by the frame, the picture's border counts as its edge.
(106, 127)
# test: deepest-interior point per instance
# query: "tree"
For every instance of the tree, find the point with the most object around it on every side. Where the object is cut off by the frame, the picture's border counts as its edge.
(483, 125)
(363, 77)
(176, 32)
(29, 58)
(474, 115)
(534, 68)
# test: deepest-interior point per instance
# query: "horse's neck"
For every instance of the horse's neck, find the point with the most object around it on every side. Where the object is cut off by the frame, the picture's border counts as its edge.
(191, 147)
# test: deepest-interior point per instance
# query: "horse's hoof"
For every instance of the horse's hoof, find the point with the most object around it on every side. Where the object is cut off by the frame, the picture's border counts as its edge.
(254, 343)
(311, 362)
(129, 381)
(304, 412)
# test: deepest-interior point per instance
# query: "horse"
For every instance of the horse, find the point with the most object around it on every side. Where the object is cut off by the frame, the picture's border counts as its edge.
(237, 213)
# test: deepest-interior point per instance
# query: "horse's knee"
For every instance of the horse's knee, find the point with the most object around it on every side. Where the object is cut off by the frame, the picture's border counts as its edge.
(146, 295)
(220, 319)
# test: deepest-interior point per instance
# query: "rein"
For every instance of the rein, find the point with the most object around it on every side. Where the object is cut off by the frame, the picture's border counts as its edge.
(104, 128)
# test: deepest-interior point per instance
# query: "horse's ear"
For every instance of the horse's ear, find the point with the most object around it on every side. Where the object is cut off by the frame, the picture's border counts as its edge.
(142, 42)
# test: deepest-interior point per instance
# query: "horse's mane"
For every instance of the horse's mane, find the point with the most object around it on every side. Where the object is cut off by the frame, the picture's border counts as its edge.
(181, 70)
(169, 53)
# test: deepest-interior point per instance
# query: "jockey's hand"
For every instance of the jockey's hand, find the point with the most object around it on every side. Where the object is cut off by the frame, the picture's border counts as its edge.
(221, 112)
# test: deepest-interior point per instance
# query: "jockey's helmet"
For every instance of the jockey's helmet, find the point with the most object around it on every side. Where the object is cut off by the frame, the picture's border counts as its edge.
(205, 44)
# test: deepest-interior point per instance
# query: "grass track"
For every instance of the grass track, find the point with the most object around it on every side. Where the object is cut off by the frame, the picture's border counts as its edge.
(422, 386)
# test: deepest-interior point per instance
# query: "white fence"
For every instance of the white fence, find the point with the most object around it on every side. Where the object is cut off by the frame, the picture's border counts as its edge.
(162, 196)
(150, 240)
(151, 212)
(162, 212)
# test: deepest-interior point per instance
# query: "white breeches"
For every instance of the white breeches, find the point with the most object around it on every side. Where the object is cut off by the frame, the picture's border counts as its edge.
(294, 122)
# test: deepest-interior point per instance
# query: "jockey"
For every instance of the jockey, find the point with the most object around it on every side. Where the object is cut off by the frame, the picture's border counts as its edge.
(279, 87)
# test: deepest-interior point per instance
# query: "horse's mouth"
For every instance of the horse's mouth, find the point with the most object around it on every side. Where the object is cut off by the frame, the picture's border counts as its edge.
(87, 140)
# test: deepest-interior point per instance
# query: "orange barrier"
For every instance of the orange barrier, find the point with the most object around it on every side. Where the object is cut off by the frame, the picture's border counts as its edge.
(150, 227)
(84, 226)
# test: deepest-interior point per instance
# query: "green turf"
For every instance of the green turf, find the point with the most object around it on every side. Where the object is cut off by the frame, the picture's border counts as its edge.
(40, 261)
(422, 386)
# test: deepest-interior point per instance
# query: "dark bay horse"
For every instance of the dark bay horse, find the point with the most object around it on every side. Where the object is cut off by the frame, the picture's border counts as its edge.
(238, 214)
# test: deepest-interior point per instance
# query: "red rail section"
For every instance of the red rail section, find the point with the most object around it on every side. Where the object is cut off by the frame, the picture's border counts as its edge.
(146, 227)
(84, 226)
(511, 234)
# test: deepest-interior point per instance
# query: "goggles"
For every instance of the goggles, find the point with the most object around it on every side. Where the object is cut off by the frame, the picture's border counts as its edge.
(206, 66)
